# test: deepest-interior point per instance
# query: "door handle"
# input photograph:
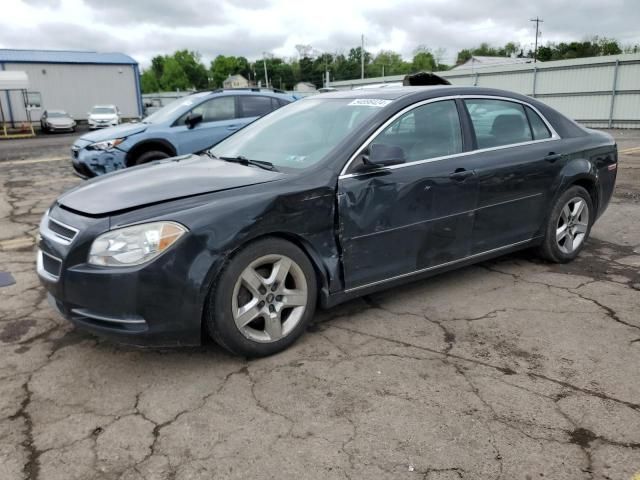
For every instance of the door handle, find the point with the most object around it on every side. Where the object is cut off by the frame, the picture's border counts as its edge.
(233, 127)
(461, 174)
(552, 157)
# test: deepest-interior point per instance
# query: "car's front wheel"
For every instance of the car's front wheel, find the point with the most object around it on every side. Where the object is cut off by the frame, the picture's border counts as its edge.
(263, 300)
(147, 157)
(568, 226)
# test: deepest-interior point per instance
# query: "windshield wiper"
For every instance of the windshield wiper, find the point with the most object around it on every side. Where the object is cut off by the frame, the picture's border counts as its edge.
(246, 161)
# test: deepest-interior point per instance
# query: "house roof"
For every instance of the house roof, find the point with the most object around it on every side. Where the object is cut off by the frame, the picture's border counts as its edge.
(480, 61)
(64, 56)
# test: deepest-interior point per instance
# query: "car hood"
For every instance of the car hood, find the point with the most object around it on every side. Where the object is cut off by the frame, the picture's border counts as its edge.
(60, 121)
(162, 181)
(121, 131)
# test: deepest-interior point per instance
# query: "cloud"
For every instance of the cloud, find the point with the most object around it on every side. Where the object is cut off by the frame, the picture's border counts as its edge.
(166, 13)
(144, 28)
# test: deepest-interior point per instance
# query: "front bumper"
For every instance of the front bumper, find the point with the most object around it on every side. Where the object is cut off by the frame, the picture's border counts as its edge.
(61, 128)
(156, 304)
(95, 124)
(91, 163)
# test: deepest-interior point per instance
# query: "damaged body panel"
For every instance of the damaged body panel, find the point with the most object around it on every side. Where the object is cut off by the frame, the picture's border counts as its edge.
(374, 188)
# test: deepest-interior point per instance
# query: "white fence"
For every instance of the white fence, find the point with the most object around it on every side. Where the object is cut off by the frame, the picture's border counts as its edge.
(601, 92)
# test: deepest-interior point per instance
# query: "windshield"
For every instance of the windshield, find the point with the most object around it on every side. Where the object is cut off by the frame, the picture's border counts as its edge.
(103, 110)
(299, 134)
(170, 111)
(58, 114)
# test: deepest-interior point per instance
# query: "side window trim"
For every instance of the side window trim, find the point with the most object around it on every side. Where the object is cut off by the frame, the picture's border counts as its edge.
(344, 173)
(469, 142)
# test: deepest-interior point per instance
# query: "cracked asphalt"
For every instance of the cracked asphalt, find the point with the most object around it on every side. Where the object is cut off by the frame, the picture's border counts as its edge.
(509, 369)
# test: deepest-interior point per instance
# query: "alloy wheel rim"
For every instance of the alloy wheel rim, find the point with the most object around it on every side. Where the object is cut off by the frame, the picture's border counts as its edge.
(269, 298)
(572, 225)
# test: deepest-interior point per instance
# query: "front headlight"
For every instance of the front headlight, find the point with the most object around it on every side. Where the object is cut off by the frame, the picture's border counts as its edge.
(106, 145)
(134, 245)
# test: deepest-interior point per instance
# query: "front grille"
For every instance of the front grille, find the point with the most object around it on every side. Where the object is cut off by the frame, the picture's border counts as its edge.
(74, 152)
(51, 264)
(62, 230)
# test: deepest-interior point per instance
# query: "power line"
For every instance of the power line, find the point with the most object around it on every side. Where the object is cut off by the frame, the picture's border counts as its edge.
(535, 48)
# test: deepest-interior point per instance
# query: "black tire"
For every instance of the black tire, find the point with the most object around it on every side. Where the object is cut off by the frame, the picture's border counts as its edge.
(551, 249)
(219, 317)
(149, 156)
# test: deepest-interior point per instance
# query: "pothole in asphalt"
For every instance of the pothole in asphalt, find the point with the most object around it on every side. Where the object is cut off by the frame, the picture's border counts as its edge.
(582, 437)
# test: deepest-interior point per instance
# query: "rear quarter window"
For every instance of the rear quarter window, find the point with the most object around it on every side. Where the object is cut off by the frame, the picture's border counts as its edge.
(538, 127)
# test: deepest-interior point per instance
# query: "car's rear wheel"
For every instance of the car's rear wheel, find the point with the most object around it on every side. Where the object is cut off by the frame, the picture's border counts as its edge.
(263, 300)
(150, 156)
(569, 225)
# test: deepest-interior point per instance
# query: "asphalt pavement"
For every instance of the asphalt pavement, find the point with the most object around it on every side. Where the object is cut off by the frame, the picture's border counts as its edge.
(509, 369)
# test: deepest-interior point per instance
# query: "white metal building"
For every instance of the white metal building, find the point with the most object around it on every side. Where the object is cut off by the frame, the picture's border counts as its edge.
(598, 92)
(72, 81)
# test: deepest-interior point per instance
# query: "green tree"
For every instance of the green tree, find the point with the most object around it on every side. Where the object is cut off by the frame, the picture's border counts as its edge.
(173, 76)
(195, 71)
(157, 65)
(423, 60)
(463, 56)
(148, 82)
(389, 62)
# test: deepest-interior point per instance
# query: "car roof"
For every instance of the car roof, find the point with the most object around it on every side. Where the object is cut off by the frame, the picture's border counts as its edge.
(246, 91)
(104, 106)
(390, 93)
(417, 93)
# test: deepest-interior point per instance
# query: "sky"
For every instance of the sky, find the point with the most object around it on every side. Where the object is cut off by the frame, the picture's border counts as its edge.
(145, 28)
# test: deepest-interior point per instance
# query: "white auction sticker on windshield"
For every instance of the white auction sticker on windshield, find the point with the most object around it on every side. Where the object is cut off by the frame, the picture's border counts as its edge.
(370, 102)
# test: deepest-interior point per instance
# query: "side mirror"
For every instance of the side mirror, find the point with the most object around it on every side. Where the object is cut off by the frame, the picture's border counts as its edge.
(193, 119)
(379, 156)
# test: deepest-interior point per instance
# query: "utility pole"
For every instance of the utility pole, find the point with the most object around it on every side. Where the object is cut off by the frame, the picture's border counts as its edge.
(362, 58)
(535, 48)
(264, 62)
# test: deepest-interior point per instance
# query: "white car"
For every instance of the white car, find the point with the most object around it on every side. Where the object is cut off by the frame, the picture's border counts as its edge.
(102, 116)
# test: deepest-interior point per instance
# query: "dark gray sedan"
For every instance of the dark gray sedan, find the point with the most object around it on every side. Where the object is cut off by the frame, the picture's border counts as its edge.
(328, 198)
(57, 121)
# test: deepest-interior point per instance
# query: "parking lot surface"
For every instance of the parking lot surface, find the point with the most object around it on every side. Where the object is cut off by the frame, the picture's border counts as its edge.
(509, 369)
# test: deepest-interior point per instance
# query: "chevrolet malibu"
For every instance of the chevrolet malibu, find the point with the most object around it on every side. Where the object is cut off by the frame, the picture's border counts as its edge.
(326, 199)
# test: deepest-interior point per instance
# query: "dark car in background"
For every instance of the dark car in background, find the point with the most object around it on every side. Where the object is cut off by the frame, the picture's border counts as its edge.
(189, 124)
(332, 197)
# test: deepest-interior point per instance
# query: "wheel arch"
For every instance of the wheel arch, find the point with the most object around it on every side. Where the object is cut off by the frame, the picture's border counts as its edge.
(320, 268)
(582, 173)
(160, 144)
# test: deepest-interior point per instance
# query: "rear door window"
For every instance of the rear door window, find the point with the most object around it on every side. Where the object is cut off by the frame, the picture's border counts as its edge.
(498, 122)
(254, 106)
